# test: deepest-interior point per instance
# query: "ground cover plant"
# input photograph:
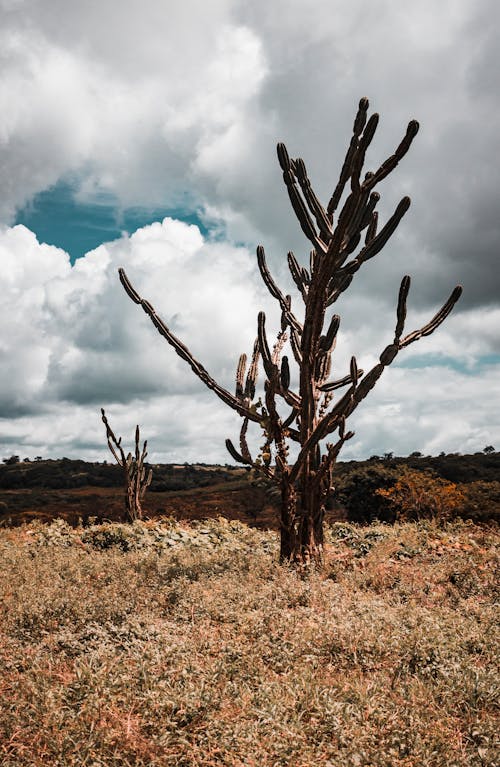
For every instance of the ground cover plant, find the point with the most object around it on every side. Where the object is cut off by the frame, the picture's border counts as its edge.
(156, 643)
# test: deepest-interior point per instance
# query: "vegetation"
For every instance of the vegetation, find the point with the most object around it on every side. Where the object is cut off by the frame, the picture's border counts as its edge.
(74, 490)
(446, 486)
(481, 501)
(307, 484)
(67, 474)
(421, 495)
(358, 491)
(161, 645)
(136, 477)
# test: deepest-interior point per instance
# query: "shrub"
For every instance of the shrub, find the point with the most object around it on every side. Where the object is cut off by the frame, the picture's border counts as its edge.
(422, 495)
(481, 501)
(10, 461)
(357, 492)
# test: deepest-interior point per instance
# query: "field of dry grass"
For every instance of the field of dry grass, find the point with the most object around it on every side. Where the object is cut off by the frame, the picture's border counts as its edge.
(164, 644)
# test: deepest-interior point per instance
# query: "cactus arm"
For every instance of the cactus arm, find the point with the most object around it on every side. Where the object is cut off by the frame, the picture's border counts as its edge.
(114, 444)
(240, 375)
(391, 162)
(296, 199)
(275, 291)
(244, 456)
(357, 392)
(312, 201)
(234, 454)
(269, 365)
(436, 321)
(271, 362)
(297, 275)
(333, 385)
(342, 277)
(295, 344)
(267, 278)
(253, 370)
(184, 352)
(359, 124)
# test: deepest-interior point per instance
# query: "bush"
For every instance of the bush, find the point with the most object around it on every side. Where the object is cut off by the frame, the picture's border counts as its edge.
(357, 492)
(422, 495)
(481, 501)
(12, 460)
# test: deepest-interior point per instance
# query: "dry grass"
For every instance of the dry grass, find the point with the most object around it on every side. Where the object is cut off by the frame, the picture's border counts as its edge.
(171, 645)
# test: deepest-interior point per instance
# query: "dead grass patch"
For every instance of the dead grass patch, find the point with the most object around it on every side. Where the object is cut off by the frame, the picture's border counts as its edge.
(129, 647)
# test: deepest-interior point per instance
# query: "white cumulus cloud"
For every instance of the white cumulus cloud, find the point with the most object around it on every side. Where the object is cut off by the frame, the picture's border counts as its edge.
(74, 342)
(180, 105)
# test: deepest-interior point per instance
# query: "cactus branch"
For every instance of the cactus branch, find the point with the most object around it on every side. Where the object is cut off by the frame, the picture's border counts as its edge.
(436, 321)
(275, 291)
(184, 352)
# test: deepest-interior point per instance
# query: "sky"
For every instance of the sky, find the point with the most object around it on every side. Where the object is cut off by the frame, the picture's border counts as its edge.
(143, 135)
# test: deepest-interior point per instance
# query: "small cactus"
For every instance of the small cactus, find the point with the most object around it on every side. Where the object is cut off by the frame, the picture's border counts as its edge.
(137, 479)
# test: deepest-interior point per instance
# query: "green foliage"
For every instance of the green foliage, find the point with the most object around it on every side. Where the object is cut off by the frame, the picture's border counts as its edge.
(481, 501)
(357, 492)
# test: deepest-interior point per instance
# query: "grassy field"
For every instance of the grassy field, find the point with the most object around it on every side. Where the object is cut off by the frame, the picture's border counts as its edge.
(163, 644)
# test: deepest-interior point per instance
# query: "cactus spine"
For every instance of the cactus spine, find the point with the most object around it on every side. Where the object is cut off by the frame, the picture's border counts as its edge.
(136, 478)
(311, 417)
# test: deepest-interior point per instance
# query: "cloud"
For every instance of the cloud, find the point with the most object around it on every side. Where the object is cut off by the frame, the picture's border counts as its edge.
(430, 409)
(74, 342)
(89, 342)
(75, 99)
(183, 109)
(25, 348)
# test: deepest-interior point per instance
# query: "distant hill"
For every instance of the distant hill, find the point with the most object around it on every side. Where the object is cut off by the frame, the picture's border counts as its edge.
(66, 473)
(454, 467)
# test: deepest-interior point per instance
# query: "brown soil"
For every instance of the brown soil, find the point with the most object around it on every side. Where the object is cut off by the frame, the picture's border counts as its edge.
(232, 500)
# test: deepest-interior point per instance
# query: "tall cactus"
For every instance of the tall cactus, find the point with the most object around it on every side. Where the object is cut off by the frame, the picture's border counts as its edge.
(136, 479)
(312, 413)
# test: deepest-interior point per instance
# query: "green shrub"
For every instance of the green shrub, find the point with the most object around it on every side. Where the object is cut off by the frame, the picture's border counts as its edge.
(357, 493)
(481, 501)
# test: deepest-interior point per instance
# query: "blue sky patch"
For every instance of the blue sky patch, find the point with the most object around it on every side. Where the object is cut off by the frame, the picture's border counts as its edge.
(58, 218)
(442, 360)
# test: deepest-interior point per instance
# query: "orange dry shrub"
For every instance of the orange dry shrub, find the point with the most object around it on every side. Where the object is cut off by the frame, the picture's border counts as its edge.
(422, 495)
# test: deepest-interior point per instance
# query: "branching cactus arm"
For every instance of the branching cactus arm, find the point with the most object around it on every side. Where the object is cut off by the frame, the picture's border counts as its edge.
(114, 444)
(335, 419)
(184, 352)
